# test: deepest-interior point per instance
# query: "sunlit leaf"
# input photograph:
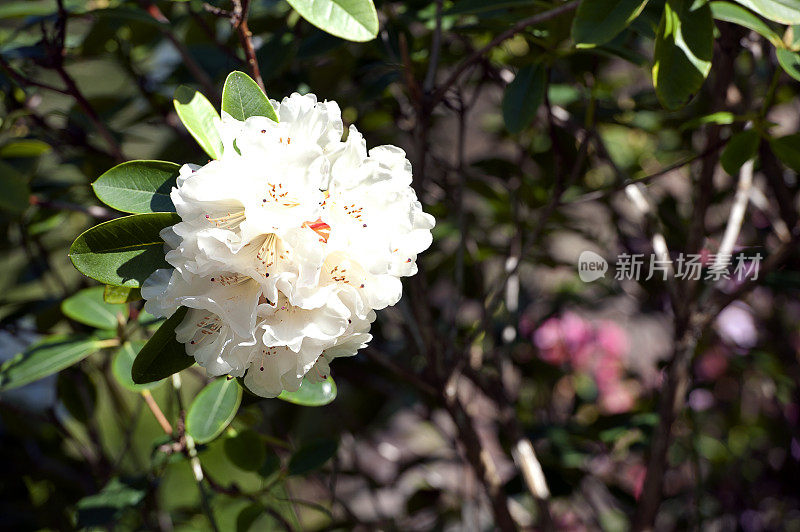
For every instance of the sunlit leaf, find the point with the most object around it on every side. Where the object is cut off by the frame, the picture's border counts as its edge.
(200, 118)
(89, 307)
(138, 186)
(121, 294)
(354, 20)
(243, 98)
(213, 409)
(783, 11)
(738, 15)
(124, 251)
(684, 46)
(45, 358)
(312, 393)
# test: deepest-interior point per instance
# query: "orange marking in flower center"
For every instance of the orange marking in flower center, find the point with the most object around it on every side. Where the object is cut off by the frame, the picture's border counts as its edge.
(321, 228)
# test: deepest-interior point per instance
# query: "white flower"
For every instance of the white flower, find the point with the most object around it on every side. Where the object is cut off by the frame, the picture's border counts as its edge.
(286, 246)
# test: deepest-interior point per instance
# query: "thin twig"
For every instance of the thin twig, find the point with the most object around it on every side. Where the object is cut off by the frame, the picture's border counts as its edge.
(736, 216)
(157, 413)
(239, 23)
(510, 32)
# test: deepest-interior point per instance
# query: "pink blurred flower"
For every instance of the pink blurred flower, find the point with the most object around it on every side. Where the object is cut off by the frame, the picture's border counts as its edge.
(736, 325)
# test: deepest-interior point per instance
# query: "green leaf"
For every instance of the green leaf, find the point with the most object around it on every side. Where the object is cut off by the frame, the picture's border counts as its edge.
(741, 148)
(789, 61)
(200, 118)
(138, 186)
(354, 20)
(107, 506)
(243, 98)
(213, 409)
(121, 294)
(45, 358)
(311, 393)
(89, 307)
(312, 456)
(683, 51)
(163, 354)
(78, 393)
(599, 21)
(124, 251)
(739, 15)
(16, 192)
(523, 97)
(246, 450)
(787, 149)
(783, 11)
(122, 367)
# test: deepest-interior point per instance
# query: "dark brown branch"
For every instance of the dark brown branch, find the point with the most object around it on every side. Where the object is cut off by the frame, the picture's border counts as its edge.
(239, 23)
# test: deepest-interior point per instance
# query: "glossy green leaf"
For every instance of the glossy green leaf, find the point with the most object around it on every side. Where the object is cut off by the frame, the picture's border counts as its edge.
(246, 450)
(243, 98)
(89, 307)
(138, 186)
(121, 294)
(312, 456)
(787, 149)
(783, 11)
(213, 409)
(738, 15)
(683, 51)
(45, 358)
(789, 61)
(122, 367)
(741, 148)
(163, 354)
(311, 393)
(200, 118)
(124, 251)
(523, 97)
(599, 21)
(354, 20)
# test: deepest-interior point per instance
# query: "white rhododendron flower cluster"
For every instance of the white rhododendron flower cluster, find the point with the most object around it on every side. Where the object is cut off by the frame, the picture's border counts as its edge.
(287, 245)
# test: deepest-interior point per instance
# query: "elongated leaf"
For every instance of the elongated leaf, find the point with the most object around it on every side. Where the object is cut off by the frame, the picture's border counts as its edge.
(599, 21)
(783, 11)
(163, 354)
(789, 61)
(684, 46)
(741, 148)
(124, 251)
(312, 456)
(122, 367)
(523, 97)
(787, 149)
(121, 294)
(243, 98)
(107, 506)
(738, 15)
(138, 186)
(354, 20)
(311, 393)
(88, 307)
(213, 409)
(45, 358)
(200, 118)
